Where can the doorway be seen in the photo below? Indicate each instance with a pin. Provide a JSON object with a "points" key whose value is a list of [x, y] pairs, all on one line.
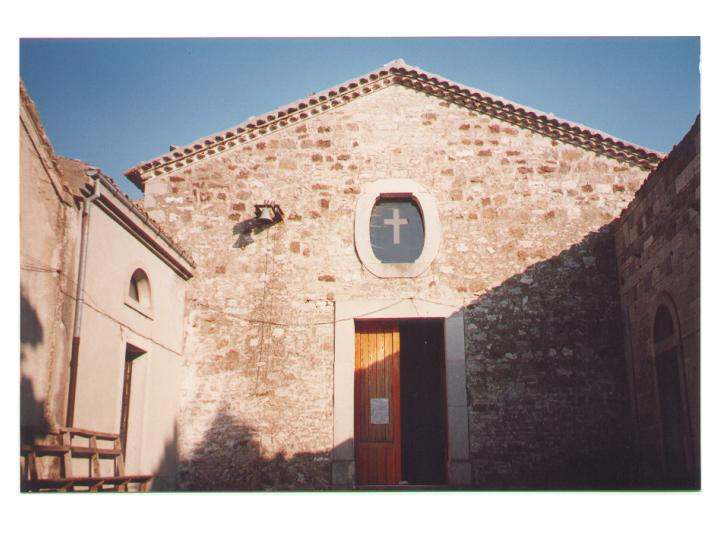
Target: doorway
{"points": [[423, 404], [672, 398], [131, 354], [400, 402]]}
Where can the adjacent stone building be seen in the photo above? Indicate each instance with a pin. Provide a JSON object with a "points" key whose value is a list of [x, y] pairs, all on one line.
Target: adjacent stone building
{"points": [[48, 245], [658, 249], [300, 334]]}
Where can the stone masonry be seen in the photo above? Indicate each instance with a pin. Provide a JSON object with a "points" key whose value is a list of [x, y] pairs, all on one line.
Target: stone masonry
{"points": [[658, 249], [526, 252], [48, 222]]}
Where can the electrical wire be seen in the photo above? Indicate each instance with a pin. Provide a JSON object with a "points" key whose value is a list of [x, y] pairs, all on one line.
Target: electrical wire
{"points": [[89, 303], [322, 323], [264, 321]]}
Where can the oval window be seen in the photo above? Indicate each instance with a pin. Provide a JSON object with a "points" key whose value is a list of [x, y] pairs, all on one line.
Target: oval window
{"points": [[397, 232]]}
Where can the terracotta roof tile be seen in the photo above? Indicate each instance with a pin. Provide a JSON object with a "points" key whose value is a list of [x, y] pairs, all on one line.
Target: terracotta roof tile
{"points": [[78, 174], [397, 72]]}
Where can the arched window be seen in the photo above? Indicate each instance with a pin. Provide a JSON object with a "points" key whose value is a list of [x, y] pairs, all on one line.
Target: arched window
{"points": [[664, 327], [139, 288], [668, 366]]}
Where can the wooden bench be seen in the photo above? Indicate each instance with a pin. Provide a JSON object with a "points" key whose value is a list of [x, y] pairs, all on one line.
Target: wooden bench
{"points": [[65, 449]]}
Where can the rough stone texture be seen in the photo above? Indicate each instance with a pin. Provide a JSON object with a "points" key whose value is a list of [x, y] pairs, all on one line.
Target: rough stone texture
{"points": [[48, 222], [548, 403], [524, 250], [658, 249]]}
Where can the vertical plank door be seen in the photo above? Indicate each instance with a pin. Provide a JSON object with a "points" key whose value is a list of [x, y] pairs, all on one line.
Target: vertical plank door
{"points": [[378, 456]]}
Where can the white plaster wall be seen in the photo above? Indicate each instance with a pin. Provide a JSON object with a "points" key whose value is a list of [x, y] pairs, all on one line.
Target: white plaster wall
{"points": [[108, 325]]}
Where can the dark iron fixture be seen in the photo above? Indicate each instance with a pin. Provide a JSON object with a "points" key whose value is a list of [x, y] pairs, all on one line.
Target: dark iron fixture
{"points": [[267, 213]]}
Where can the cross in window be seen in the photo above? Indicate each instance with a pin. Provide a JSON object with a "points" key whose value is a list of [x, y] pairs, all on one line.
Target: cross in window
{"points": [[395, 222]]}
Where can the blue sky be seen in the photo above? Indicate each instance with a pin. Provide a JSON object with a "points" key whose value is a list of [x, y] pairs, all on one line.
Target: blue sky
{"points": [[114, 103]]}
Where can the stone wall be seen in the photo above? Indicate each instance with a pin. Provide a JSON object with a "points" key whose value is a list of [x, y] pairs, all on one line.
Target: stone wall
{"points": [[525, 252], [48, 225], [658, 250]]}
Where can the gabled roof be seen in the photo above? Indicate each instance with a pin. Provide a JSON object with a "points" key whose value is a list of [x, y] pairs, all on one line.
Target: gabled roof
{"points": [[396, 72]]}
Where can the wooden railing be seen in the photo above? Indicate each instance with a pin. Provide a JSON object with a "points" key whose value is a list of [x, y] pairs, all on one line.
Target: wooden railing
{"points": [[65, 449]]}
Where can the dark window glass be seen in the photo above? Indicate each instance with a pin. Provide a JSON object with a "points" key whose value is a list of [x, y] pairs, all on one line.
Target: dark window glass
{"points": [[664, 327], [667, 365], [133, 292], [397, 233], [139, 289]]}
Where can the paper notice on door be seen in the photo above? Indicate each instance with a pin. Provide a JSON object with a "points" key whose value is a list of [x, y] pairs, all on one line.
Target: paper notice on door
{"points": [[379, 411]]}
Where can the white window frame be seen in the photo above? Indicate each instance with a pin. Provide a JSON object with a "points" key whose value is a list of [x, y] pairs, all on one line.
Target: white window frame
{"points": [[431, 222]]}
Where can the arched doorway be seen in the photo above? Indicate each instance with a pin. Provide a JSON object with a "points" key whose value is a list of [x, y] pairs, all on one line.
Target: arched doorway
{"points": [[671, 395]]}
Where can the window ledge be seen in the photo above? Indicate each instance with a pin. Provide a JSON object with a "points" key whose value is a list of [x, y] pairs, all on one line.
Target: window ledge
{"points": [[142, 310]]}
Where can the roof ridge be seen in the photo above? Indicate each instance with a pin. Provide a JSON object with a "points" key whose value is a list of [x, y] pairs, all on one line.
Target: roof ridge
{"points": [[398, 62], [396, 72]]}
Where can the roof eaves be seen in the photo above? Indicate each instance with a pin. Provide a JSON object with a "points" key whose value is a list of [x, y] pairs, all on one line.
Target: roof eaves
{"points": [[256, 126], [510, 106], [396, 72], [110, 184]]}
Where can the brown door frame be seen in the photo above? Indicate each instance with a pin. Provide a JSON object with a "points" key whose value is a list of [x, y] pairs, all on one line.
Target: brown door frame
{"points": [[396, 389], [347, 312], [132, 352]]}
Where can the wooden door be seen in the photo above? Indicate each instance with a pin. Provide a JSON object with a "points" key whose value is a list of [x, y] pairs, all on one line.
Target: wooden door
{"points": [[125, 407], [132, 353], [378, 455]]}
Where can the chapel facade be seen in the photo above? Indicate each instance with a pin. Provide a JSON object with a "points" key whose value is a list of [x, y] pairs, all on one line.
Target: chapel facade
{"points": [[404, 281]]}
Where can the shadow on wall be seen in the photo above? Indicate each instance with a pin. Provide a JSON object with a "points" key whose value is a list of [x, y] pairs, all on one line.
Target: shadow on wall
{"points": [[230, 458], [248, 228], [33, 424], [548, 401], [165, 474]]}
